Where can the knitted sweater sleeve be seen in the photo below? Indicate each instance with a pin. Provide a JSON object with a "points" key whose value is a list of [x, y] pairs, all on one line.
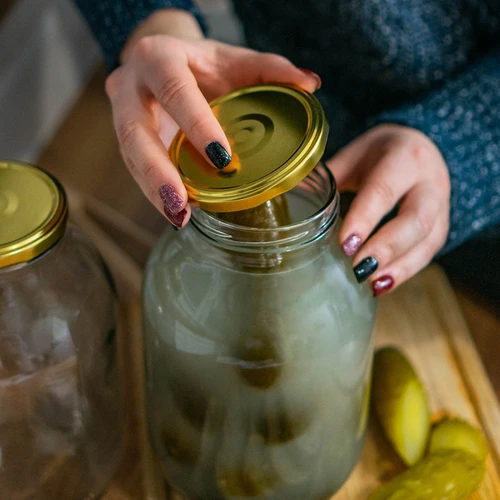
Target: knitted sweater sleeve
{"points": [[463, 119], [112, 21]]}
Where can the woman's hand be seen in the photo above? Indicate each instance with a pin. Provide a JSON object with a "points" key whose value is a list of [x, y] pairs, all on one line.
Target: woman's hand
{"points": [[164, 84], [389, 165]]}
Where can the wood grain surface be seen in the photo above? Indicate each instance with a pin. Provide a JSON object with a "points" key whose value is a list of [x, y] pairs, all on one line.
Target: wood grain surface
{"points": [[84, 155], [422, 316]]}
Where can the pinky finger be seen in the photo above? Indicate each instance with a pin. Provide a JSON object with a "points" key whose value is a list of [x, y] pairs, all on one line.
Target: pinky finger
{"points": [[402, 269]]}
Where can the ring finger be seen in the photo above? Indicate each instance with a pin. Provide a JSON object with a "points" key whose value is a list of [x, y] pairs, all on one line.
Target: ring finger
{"points": [[376, 197]]}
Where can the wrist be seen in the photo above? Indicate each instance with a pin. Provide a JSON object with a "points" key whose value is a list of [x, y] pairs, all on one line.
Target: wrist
{"points": [[174, 22]]}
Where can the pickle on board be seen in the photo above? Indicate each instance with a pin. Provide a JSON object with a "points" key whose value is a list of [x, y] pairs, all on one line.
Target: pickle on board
{"points": [[401, 404], [271, 214], [457, 434], [444, 475]]}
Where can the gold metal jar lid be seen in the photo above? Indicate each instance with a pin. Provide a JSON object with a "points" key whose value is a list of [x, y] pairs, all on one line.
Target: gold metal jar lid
{"points": [[33, 212], [277, 134]]}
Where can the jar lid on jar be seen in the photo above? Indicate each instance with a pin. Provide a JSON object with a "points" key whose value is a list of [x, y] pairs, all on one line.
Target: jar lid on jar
{"points": [[33, 212], [277, 135]]}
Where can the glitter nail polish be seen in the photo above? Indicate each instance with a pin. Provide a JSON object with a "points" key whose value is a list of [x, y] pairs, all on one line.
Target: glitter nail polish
{"points": [[218, 155], [351, 244], [172, 202]]}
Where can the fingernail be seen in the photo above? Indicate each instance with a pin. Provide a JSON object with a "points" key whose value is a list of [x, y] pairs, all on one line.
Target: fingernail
{"points": [[382, 284], [177, 219], [351, 244], [365, 269], [218, 155], [172, 202], [308, 72]]}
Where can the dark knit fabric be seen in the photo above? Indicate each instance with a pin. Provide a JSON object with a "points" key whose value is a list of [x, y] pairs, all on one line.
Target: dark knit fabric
{"points": [[113, 21], [430, 64]]}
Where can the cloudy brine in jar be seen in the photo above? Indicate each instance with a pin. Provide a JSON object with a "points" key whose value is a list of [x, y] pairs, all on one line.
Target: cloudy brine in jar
{"points": [[258, 350]]}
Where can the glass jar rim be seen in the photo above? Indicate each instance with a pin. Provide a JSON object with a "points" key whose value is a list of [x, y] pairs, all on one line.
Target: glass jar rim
{"points": [[302, 232]]}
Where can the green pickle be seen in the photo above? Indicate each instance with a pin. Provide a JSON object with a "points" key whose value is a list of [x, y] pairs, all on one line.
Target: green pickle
{"points": [[271, 214], [244, 483], [259, 346], [401, 404], [283, 421], [444, 475], [180, 445], [457, 434], [261, 353]]}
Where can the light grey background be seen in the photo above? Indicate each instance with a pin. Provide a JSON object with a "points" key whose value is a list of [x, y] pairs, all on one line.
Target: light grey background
{"points": [[47, 56]]}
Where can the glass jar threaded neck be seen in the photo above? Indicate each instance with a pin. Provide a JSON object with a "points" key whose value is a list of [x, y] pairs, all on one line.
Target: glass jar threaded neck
{"points": [[318, 198]]}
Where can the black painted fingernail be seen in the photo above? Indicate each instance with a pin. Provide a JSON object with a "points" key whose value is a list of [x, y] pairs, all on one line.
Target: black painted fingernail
{"points": [[365, 268], [218, 155]]}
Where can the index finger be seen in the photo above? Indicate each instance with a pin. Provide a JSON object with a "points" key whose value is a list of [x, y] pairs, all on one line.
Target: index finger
{"points": [[174, 86]]}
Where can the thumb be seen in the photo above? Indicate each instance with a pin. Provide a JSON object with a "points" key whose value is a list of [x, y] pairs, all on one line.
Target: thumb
{"points": [[349, 163], [249, 67]]}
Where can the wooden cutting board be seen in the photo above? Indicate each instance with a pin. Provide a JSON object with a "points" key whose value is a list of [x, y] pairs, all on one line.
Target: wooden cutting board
{"points": [[421, 317]]}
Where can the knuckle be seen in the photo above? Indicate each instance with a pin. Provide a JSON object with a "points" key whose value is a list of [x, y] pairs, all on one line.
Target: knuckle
{"points": [[173, 43], [386, 250], [148, 172], [391, 251], [384, 192], [431, 249], [144, 47], [151, 193], [428, 258], [418, 150], [276, 59], [424, 221], [113, 82], [358, 217], [126, 132], [443, 182], [406, 271], [199, 123], [130, 165], [439, 240], [148, 169], [171, 90]]}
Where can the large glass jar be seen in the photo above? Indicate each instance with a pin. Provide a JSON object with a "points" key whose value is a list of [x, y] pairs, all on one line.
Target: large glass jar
{"points": [[61, 412], [258, 346]]}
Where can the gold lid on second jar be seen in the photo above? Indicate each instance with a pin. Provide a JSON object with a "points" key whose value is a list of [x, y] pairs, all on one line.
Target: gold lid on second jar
{"points": [[277, 135], [33, 212]]}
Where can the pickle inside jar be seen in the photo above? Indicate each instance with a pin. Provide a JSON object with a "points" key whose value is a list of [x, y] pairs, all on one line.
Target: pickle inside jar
{"points": [[259, 344], [272, 214]]}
